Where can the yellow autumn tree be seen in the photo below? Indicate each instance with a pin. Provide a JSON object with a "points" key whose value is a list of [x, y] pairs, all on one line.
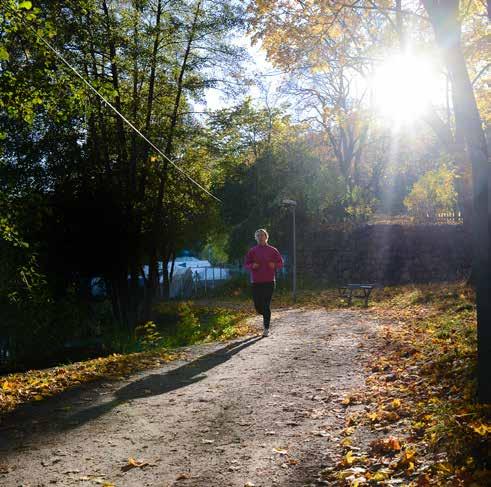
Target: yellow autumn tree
{"points": [[433, 193]]}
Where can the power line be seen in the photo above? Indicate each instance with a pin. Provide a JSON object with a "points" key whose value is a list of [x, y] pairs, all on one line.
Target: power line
{"points": [[110, 105]]}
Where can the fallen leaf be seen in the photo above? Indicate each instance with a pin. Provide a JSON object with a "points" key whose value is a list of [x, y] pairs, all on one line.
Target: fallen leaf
{"points": [[4, 469], [347, 442], [132, 463], [372, 416], [381, 475], [280, 451], [349, 431], [345, 474], [348, 458], [481, 428], [385, 445], [407, 457], [322, 433], [395, 404]]}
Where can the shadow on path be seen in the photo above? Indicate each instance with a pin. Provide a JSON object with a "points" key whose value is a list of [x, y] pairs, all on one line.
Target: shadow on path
{"points": [[157, 384], [19, 425]]}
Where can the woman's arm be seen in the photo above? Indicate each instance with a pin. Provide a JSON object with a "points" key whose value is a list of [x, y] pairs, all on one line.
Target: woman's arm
{"points": [[249, 260]]}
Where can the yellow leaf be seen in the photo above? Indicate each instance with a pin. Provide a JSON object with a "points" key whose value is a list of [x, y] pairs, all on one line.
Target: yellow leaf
{"points": [[481, 429], [445, 467], [347, 442], [406, 460], [348, 458], [132, 463], [38, 397], [372, 416], [380, 475]]}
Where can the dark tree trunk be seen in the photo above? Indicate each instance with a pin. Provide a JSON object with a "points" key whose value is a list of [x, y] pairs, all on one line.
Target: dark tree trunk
{"points": [[158, 217], [444, 16]]}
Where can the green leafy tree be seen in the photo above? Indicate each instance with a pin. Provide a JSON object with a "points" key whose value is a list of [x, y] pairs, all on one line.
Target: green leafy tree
{"points": [[106, 202]]}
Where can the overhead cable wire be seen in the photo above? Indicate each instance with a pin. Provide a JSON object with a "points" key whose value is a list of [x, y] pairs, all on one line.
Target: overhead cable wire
{"points": [[115, 110]]}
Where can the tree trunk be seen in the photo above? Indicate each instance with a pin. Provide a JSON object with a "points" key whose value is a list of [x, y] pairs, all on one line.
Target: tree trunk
{"points": [[158, 223], [122, 281], [165, 282], [173, 259], [122, 156], [137, 191], [444, 17]]}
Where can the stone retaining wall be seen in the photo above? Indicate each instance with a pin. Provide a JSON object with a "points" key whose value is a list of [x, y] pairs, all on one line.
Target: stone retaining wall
{"points": [[386, 254]]}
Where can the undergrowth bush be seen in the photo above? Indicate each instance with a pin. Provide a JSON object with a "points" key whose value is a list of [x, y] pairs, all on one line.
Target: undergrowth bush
{"points": [[185, 323]]}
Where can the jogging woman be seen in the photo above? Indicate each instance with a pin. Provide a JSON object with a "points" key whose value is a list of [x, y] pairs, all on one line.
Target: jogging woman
{"points": [[263, 260]]}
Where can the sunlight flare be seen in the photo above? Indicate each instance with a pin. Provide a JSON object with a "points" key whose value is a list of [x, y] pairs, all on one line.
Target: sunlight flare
{"points": [[404, 87]]}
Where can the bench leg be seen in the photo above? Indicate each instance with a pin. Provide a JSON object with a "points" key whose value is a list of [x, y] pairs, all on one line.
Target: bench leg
{"points": [[350, 297]]}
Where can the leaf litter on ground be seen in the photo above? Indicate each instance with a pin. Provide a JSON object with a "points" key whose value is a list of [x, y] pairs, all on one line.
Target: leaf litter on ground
{"points": [[422, 425]]}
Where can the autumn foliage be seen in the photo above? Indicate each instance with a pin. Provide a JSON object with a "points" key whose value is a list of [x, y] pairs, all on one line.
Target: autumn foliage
{"points": [[419, 423]]}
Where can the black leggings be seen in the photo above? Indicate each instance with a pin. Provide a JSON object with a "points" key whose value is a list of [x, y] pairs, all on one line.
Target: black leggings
{"points": [[262, 292]]}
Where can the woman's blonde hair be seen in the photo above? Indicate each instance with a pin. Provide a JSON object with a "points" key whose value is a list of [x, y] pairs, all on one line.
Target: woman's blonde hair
{"points": [[261, 230]]}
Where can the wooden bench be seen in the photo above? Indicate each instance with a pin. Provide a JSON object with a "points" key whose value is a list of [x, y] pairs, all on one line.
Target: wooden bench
{"points": [[350, 291]]}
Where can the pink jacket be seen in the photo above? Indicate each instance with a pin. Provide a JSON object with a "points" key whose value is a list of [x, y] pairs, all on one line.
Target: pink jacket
{"points": [[263, 255]]}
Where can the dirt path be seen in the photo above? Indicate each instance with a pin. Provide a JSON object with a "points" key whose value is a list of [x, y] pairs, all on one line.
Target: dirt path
{"points": [[263, 412]]}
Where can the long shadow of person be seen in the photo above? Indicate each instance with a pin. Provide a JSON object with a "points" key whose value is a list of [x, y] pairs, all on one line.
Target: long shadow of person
{"points": [[157, 384]]}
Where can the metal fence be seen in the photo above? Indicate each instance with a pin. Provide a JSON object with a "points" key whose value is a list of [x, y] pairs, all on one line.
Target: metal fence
{"points": [[426, 217], [202, 281], [447, 217]]}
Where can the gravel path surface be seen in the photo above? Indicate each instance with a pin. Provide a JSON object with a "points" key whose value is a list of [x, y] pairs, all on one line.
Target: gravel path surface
{"points": [[262, 412]]}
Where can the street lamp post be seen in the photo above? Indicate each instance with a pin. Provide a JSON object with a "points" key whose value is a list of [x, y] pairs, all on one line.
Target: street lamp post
{"points": [[292, 204]]}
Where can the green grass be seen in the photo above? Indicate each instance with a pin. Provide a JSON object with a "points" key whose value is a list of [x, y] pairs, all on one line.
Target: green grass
{"points": [[178, 324]]}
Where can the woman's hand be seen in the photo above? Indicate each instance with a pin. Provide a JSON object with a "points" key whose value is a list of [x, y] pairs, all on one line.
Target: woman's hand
{"points": [[272, 265], [255, 265]]}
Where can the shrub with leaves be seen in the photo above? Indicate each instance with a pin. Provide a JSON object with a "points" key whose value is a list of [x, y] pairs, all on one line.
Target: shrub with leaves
{"points": [[433, 193], [148, 335], [186, 323], [359, 205]]}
